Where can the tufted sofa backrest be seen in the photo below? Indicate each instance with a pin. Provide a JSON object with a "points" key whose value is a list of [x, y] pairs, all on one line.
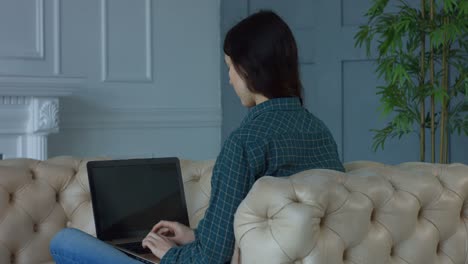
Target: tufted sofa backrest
{"points": [[38, 198], [410, 213], [375, 213], [197, 187]]}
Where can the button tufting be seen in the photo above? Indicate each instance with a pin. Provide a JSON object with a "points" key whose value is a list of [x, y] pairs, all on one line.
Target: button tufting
{"points": [[345, 255], [392, 251], [33, 176], [12, 258], [10, 199], [322, 222], [35, 228], [373, 215], [57, 196]]}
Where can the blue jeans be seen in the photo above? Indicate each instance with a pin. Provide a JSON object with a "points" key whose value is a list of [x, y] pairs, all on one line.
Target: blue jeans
{"points": [[72, 246]]}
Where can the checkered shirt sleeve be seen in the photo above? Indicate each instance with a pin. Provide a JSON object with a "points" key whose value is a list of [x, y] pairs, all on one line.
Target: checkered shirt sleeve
{"points": [[215, 239]]}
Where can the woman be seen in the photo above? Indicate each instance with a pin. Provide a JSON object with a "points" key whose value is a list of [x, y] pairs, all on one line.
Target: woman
{"points": [[278, 137]]}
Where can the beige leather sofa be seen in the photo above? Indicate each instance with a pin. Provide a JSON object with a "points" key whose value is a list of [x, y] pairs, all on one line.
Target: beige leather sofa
{"points": [[373, 213]]}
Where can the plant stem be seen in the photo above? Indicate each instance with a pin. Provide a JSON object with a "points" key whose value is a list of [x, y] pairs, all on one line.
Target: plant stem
{"points": [[443, 124], [432, 95], [446, 141], [422, 80]]}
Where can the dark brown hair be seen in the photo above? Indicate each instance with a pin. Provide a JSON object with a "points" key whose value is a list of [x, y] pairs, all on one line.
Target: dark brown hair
{"points": [[263, 51]]}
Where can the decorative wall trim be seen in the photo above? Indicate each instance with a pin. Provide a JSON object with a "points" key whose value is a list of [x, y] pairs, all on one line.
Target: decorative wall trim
{"points": [[26, 122], [32, 146], [14, 100], [342, 14], [39, 86], [104, 58], [124, 118], [148, 46], [38, 53], [44, 115], [40, 30], [48, 116], [57, 37], [149, 40]]}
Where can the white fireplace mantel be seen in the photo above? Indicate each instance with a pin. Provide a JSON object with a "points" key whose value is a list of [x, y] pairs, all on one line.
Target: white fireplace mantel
{"points": [[29, 112]]}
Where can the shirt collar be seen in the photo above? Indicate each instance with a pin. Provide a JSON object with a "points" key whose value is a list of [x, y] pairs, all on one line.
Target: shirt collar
{"points": [[275, 104]]}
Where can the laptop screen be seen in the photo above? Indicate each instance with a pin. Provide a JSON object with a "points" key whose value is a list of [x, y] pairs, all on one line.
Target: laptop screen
{"points": [[130, 196]]}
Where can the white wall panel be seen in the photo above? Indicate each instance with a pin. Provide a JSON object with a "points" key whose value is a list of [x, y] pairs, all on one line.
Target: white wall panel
{"points": [[27, 40], [30, 38], [126, 41], [147, 71]]}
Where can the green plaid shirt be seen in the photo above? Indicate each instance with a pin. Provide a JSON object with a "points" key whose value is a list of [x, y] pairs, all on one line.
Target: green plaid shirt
{"points": [[278, 138]]}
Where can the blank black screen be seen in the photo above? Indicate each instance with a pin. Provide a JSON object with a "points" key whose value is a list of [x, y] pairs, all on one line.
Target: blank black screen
{"points": [[130, 200]]}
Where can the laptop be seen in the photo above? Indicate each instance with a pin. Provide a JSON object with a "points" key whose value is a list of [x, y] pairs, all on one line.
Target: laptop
{"points": [[130, 196]]}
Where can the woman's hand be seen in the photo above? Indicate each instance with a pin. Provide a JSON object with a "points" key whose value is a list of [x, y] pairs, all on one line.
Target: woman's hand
{"points": [[175, 232], [159, 245]]}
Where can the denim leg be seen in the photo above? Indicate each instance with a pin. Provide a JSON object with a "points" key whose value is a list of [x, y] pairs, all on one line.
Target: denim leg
{"points": [[72, 246]]}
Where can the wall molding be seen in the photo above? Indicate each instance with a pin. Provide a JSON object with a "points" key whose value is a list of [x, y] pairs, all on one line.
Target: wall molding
{"points": [[26, 122], [16, 85], [15, 100], [44, 115], [57, 37], [139, 118], [148, 46], [32, 146], [38, 53]]}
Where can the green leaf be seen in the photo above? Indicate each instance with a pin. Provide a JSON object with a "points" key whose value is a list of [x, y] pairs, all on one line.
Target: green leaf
{"points": [[398, 39], [450, 5], [439, 95], [452, 31], [376, 9], [436, 37], [381, 136], [463, 8], [385, 109], [361, 35], [403, 123]]}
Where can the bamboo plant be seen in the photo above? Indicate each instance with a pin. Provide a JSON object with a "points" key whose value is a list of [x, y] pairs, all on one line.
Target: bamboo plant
{"points": [[422, 55]]}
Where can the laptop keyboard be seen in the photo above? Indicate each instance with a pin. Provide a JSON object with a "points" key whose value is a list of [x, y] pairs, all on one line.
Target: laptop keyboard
{"points": [[135, 247]]}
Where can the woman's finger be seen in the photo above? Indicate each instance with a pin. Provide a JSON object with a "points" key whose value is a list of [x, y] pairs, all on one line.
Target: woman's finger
{"points": [[161, 224], [152, 245], [153, 236], [163, 231]]}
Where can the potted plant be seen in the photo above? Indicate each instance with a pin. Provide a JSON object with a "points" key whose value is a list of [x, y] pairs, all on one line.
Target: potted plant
{"points": [[421, 53]]}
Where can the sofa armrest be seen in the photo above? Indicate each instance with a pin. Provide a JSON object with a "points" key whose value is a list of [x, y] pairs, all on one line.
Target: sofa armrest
{"points": [[372, 214], [280, 219]]}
